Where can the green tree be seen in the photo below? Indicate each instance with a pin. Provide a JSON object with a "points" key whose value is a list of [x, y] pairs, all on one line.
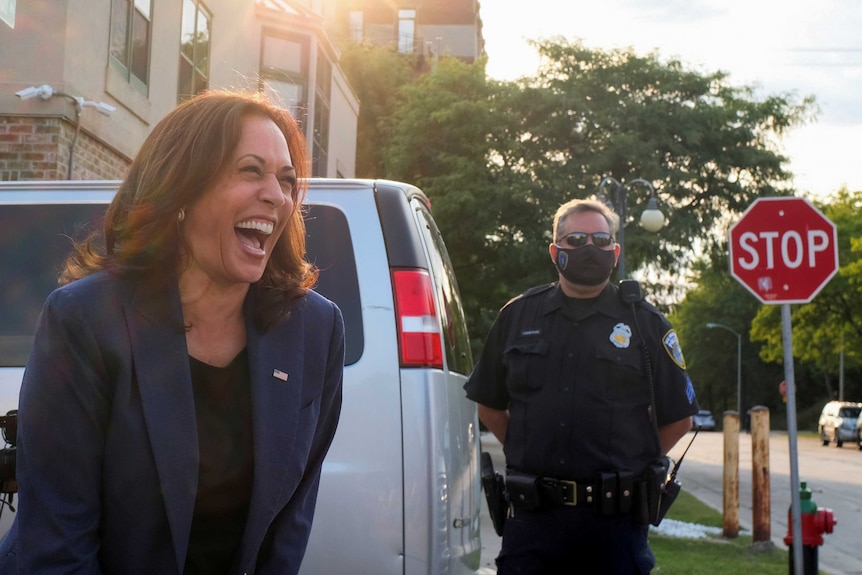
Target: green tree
{"points": [[376, 74], [708, 146], [441, 141], [497, 158], [711, 353]]}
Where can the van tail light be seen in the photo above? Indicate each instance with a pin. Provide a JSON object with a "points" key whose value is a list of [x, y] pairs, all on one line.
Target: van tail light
{"points": [[416, 317]]}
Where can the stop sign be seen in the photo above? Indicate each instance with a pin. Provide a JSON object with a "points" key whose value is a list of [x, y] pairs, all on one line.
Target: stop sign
{"points": [[783, 250]]}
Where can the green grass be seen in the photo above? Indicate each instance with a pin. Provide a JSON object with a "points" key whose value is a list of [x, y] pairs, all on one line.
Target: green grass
{"points": [[716, 555]]}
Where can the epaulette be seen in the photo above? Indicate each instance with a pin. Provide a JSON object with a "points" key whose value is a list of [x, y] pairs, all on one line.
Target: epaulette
{"points": [[646, 306], [530, 293], [650, 307]]}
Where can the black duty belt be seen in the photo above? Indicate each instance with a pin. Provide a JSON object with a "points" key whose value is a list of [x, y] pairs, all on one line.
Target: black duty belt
{"points": [[565, 492], [611, 493]]}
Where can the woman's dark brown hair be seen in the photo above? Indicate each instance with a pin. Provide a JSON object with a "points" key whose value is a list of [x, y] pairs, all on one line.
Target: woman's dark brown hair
{"points": [[186, 151]]}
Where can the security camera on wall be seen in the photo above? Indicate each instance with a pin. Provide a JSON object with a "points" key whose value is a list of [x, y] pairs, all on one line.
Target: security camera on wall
{"points": [[104, 108], [44, 91]]}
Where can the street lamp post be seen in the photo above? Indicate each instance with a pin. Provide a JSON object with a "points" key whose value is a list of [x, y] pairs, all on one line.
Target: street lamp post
{"points": [[652, 219], [738, 365]]}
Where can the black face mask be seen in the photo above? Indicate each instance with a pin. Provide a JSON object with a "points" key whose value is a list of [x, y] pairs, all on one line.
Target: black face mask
{"points": [[586, 266]]}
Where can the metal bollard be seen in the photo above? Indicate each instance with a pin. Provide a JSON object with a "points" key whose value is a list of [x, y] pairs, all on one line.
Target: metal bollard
{"points": [[815, 522]]}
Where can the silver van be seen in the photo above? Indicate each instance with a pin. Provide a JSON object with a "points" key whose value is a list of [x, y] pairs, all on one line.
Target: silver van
{"points": [[400, 491]]}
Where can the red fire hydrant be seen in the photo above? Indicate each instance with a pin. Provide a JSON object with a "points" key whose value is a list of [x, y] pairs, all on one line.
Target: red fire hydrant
{"points": [[815, 522]]}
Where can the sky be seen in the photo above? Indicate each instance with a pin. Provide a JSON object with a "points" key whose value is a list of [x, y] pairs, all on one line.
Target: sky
{"points": [[804, 47]]}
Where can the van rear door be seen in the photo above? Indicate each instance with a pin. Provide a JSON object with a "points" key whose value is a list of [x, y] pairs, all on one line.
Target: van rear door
{"points": [[359, 520]]}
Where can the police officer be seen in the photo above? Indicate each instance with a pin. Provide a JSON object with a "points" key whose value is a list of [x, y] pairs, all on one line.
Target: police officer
{"points": [[585, 387]]}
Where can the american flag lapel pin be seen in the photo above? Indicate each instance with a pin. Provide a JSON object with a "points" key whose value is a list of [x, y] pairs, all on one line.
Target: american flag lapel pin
{"points": [[278, 374]]}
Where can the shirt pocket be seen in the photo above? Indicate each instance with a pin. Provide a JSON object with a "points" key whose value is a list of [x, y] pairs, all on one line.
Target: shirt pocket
{"points": [[526, 365], [623, 374]]}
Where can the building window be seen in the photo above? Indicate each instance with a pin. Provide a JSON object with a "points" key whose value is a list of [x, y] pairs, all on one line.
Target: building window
{"points": [[130, 40], [194, 50], [320, 130], [406, 31], [284, 71], [355, 22], [7, 12]]}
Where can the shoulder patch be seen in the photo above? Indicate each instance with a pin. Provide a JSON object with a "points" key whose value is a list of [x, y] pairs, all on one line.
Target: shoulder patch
{"points": [[673, 349]]}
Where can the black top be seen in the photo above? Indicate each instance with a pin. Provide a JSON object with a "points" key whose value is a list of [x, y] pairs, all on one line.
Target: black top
{"points": [[223, 410], [573, 376]]}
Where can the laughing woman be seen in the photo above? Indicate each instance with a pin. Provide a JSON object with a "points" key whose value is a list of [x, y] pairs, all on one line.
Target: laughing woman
{"points": [[185, 382]]}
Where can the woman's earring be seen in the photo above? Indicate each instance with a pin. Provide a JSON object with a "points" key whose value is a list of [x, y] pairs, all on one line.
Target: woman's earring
{"points": [[181, 215]]}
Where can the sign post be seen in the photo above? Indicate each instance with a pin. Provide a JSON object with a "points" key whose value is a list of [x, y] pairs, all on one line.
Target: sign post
{"points": [[784, 250]]}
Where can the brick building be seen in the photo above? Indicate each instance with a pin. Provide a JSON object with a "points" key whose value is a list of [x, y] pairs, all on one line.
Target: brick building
{"points": [[94, 76]]}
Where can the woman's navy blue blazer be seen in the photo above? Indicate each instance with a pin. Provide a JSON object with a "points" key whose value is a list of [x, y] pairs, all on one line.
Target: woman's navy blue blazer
{"points": [[108, 442]]}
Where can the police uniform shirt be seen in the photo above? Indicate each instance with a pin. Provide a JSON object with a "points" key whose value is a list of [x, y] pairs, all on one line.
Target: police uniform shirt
{"points": [[573, 377]]}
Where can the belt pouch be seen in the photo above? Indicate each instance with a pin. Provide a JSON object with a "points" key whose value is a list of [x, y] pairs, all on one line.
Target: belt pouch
{"points": [[641, 504], [656, 474], [607, 485], [626, 491], [523, 489]]}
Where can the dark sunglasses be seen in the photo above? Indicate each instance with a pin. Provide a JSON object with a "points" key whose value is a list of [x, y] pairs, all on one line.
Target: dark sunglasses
{"points": [[579, 239]]}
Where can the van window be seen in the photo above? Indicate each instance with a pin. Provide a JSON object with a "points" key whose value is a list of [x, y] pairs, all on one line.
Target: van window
{"points": [[31, 259], [849, 412], [456, 341], [330, 248]]}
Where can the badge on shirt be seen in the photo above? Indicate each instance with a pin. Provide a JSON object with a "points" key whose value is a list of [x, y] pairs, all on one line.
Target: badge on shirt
{"points": [[621, 336], [671, 346]]}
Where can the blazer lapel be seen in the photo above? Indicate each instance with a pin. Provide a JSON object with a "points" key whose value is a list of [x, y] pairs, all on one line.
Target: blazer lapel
{"points": [[276, 366], [162, 368]]}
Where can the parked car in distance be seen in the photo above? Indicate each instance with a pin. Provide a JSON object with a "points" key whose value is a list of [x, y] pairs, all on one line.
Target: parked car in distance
{"points": [[838, 421], [400, 490], [704, 420]]}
